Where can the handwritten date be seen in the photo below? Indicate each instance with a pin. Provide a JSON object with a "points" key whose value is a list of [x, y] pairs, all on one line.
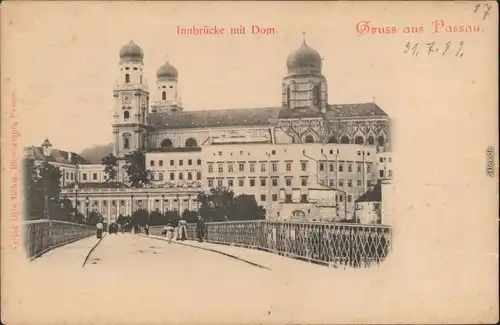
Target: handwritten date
{"points": [[431, 47]]}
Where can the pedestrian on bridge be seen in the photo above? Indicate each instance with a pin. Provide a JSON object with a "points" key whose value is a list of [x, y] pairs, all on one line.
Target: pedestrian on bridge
{"points": [[170, 232], [99, 226], [182, 235], [146, 229], [200, 229]]}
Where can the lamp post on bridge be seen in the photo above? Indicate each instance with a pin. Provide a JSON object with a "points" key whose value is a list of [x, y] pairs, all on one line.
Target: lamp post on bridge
{"points": [[179, 206], [76, 198], [47, 152], [87, 202]]}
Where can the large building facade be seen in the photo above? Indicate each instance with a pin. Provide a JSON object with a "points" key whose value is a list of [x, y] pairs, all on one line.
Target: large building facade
{"points": [[305, 159]]}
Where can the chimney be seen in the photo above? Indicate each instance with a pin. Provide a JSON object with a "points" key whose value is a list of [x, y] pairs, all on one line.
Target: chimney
{"points": [[69, 157]]}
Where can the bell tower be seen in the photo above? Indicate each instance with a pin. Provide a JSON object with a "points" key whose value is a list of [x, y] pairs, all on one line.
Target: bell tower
{"points": [[167, 98], [131, 97], [304, 85]]}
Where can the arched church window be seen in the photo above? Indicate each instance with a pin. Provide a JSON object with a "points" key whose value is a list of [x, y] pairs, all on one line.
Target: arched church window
{"points": [[127, 78], [166, 143], [164, 95], [288, 96], [126, 115], [309, 139], [381, 141], [126, 141], [317, 95], [344, 139], [359, 140], [191, 142], [332, 139], [371, 140]]}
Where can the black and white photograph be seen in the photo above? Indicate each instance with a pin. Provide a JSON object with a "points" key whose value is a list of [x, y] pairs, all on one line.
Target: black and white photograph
{"points": [[257, 163]]}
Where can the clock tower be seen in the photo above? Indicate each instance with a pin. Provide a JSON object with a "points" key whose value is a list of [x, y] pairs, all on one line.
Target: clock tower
{"points": [[131, 97]]}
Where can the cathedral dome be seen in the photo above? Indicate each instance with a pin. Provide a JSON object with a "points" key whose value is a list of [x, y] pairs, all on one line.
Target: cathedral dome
{"points": [[305, 60], [167, 72], [131, 53]]}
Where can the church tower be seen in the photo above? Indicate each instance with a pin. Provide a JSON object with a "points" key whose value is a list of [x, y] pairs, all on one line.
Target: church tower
{"points": [[304, 85], [167, 97], [131, 98]]}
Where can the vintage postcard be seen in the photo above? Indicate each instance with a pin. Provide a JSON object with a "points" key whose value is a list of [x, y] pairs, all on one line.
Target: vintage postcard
{"points": [[249, 162]]}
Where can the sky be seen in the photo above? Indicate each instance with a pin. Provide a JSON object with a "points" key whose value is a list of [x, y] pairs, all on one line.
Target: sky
{"points": [[66, 60]]}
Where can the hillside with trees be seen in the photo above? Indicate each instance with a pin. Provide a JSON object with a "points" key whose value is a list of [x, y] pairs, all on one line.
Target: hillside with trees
{"points": [[96, 153]]}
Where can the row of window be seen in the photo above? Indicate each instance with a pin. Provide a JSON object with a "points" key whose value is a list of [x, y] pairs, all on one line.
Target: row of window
{"points": [[123, 202], [241, 167], [382, 174], [159, 177], [263, 182], [127, 68], [303, 198], [288, 167], [376, 206], [72, 176], [288, 182], [172, 162], [167, 143], [273, 152]]}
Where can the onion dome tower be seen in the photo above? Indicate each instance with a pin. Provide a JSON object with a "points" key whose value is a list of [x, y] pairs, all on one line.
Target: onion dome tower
{"points": [[304, 84], [167, 97]]}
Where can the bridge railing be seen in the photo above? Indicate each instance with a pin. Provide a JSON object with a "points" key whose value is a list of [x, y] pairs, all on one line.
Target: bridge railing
{"points": [[40, 236], [334, 244]]}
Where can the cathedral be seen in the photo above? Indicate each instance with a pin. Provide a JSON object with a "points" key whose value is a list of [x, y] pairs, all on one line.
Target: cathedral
{"points": [[306, 159], [145, 121]]}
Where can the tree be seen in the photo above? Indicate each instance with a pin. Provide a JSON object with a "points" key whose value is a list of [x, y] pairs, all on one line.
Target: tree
{"points": [[190, 216], [220, 204], [37, 178], [135, 166], [95, 153], [245, 207], [79, 218], [110, 163], [216, 203], [157, 218], [32, 194], [93, 218], [50, 176], [67, 204], [173, 217], [121, 220], [140, 217]]}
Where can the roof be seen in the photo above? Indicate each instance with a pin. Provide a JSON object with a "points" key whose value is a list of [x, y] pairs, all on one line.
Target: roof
{"points": [[353, 111], [239, 142], [98, 185], [214, 118], [57, 156], [372, 195], [306, 112], [175, 149], [259, 116]]}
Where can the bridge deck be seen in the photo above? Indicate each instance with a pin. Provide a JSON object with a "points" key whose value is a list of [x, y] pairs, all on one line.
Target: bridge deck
{"points": [[147, 280]]}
